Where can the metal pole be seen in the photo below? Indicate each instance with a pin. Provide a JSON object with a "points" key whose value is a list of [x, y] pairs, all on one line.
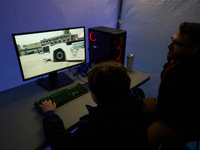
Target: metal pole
{"points": [[119, 13]]}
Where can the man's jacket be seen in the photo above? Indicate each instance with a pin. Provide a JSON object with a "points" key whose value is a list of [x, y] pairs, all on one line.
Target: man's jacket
{"points": [[178, 99]]}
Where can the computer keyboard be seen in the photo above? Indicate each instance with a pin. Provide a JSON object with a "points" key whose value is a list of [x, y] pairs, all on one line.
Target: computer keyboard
{"points": [[63, 96]]}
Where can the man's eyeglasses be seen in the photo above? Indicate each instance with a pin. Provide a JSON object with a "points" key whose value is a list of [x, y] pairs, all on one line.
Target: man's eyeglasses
{"points": [[174, 42]]}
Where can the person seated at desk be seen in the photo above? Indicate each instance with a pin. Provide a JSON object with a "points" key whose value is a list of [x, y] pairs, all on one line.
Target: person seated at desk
{"points": [[177, 105], [118, 120]]}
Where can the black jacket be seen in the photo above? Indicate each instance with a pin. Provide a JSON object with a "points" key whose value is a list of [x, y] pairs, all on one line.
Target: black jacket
{"points": [[121, 124], [178, 99]]}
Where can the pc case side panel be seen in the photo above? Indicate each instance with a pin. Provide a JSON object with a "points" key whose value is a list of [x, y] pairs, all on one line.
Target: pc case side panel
{"points": [[106, 45], [119, 47], [99, 46]]}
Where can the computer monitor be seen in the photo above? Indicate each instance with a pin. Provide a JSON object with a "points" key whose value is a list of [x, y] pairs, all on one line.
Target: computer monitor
{"points": [[47, 52]]}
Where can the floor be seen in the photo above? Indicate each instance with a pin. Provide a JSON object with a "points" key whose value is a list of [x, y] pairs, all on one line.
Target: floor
{"points": [[150, 89]]}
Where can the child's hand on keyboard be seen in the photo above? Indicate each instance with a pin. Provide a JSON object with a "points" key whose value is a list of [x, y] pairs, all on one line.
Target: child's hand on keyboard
{"points": [[48, 105]]}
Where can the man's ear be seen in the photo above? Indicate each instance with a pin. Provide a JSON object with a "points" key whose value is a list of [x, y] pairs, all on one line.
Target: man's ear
{"points": [[194, 50]]}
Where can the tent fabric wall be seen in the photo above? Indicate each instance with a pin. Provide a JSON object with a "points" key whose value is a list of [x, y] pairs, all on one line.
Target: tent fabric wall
{"points": [[150, 24], [18, 16]]}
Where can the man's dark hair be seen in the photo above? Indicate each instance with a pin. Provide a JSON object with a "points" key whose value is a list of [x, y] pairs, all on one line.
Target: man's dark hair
{"points": [[109, 81], [193, 30]]}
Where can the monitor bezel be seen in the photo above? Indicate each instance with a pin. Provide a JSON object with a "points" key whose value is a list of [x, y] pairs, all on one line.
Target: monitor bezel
{"points": [[41, 31]]}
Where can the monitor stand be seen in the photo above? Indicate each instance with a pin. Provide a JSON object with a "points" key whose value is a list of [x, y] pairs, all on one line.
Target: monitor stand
{"points": [[54, 81]]}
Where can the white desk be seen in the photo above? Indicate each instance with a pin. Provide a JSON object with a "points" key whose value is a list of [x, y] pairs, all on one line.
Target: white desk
{"points": [[20, 122]]}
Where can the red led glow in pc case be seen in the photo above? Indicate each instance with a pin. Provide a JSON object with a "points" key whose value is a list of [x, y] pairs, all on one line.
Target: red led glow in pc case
{"points": [[106, 44]]}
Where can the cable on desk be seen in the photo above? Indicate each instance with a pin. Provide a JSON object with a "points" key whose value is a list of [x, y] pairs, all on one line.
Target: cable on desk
{"points": [[81, 79], [82, 70]]}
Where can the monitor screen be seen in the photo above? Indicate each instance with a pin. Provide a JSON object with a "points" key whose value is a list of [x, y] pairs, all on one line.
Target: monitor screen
{"points": [[43, 52]]}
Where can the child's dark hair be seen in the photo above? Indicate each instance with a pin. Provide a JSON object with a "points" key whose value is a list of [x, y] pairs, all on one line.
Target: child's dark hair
{"points": [[109, 81]]}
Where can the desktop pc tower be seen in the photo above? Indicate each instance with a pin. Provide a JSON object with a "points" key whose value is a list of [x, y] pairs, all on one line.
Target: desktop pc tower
{"points": [[106, 44]]}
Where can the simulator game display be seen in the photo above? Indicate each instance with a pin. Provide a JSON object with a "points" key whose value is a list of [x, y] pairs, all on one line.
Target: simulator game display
{"points": [[46, 52]]}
